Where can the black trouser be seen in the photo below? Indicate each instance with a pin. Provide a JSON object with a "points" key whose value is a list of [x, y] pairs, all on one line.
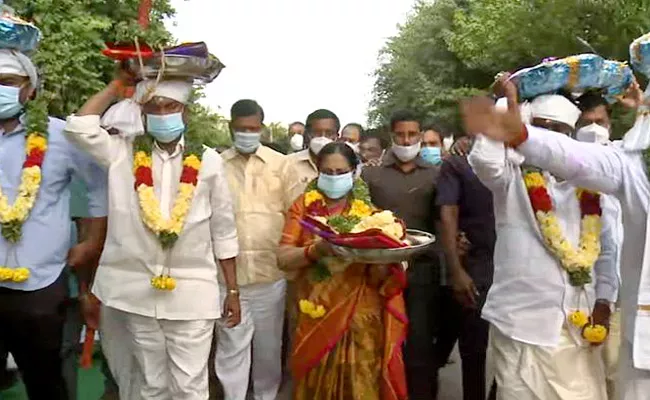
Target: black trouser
{"points": [[421, 299], [31, 329], [471, 331]]}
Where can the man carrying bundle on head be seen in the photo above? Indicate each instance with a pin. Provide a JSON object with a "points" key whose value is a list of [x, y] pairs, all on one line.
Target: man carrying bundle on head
{"points": [[37, 164], [171, 224], [554, 276]]}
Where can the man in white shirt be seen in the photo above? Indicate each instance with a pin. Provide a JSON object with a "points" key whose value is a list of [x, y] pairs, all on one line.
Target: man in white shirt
{"points": [[157, 279], [536, 353], [263, 186], [620, 171]]}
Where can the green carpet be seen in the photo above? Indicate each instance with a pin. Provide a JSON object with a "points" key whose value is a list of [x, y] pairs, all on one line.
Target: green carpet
{"points": [[90, 385]]}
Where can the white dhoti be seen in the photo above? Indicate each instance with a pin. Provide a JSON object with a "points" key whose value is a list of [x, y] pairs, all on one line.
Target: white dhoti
{"points": [[171, 357], [116, 346], [529, 372], [611, 350], [258, 338], [633, 383]]}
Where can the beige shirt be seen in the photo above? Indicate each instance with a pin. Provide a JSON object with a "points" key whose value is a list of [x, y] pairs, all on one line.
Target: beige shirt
{"points": [[132, 254], [263, 187], [305, 168]]}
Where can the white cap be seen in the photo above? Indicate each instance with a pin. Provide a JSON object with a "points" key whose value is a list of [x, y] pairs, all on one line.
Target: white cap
{"points": [[555, 108], [178, 90], [16, 63]]}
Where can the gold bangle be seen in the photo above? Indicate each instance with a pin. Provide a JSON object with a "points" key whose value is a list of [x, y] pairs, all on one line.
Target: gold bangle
{"points": [[234, 292]]}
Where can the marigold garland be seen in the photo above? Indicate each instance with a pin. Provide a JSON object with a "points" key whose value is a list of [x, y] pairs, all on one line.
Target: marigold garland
{"points": [[166, 230], [578, 263], [12, 217]]}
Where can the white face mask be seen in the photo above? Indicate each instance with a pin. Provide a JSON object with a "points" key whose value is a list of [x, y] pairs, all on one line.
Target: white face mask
{"points": [[296, 142], [593, 133], [317, 144], [406, 153]]}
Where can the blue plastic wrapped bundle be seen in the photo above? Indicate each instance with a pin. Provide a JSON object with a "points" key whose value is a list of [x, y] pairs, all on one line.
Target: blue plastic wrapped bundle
{"points": [[640, 54], [575, 72], [18, 34], [615, 77]]}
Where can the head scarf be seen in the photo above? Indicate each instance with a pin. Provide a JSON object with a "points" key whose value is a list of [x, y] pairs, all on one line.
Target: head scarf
{"points": [[555, 108], [126, 115], [16, 63]]}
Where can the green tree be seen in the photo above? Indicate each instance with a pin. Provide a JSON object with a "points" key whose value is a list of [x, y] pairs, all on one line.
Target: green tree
{"points": [[448, 49], [418, 71]]}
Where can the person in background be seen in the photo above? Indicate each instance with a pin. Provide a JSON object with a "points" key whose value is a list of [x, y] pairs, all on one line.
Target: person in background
{"points": [[594, 127], [371, 148], [353, 349], [465, 206], [85, 231], [406, 185], [351, 134], [32, 306], [432, 150], [158, 274], [322, 127], [296, 136], [263, 186]]}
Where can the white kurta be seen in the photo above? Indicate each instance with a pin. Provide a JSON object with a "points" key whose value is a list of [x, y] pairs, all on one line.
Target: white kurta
{"points": [[611, 170], [533, 351]]}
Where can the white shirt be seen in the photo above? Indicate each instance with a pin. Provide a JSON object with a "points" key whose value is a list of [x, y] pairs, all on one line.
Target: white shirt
{"points": [[609, 169], [531, 297], [132, 254]]}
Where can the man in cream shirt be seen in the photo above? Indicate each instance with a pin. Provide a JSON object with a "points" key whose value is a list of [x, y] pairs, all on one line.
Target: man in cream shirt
{"points": [[535, 353], [263, 185], [168, 332]]}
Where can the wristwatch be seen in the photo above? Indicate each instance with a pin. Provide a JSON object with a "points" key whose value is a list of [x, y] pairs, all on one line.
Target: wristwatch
{"points": [[233, 292]]}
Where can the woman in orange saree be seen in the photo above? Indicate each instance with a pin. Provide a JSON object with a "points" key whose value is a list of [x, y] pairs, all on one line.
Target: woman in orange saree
{"points": [[352, 322]]}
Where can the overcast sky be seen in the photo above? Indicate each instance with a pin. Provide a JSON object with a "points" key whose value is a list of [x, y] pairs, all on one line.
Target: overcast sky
{"points": [[292, 56]]}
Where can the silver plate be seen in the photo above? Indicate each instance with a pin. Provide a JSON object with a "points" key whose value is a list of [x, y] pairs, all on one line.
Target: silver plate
{"points": [[201, 70], [420, 242]]}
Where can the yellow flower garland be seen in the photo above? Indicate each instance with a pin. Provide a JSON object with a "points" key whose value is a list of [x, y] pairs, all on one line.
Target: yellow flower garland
{"points": [[572, 259]]}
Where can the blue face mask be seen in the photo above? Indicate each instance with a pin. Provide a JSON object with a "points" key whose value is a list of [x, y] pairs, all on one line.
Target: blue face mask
{"points": [[335, 186], [165, 128], [9, 102], [247, 142], [432, 155]]}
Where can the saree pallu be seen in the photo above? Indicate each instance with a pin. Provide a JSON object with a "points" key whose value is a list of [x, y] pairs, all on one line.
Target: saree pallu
{"points": [[354, 351]]}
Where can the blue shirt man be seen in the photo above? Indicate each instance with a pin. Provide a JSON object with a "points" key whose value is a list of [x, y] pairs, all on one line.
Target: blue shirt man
{"points": [[46, 233]]}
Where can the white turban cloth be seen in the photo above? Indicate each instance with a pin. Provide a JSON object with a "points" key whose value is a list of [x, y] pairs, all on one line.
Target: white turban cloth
{"points": [[126, 115], [555, 108], [16, 63]]}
